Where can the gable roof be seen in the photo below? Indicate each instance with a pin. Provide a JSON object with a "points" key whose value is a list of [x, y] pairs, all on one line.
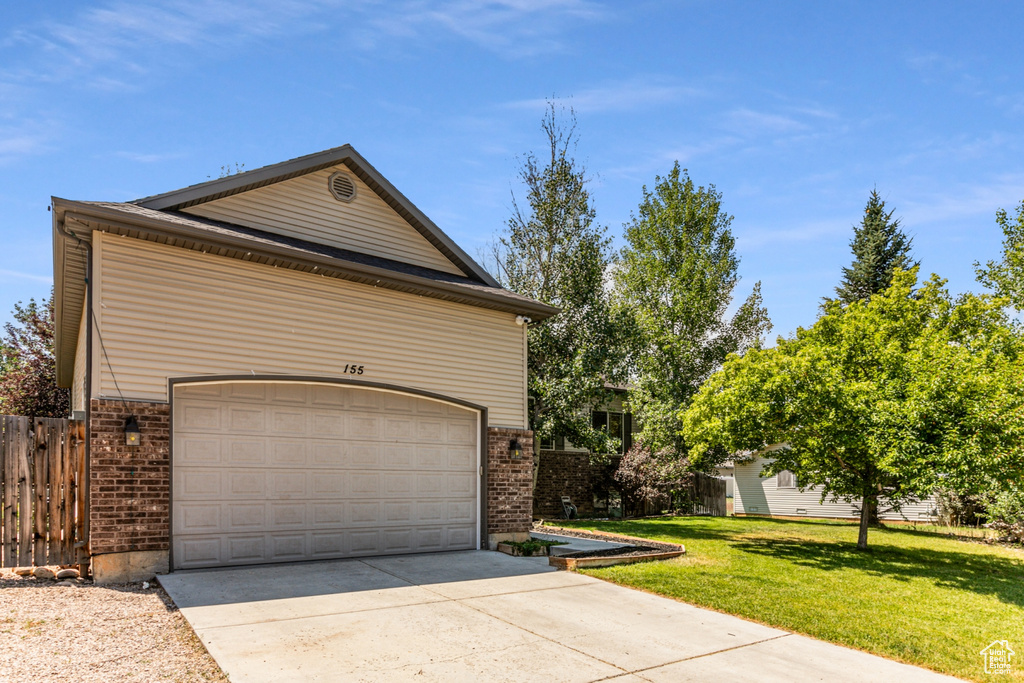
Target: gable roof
{"points": [[275, 173], [159, 219]]}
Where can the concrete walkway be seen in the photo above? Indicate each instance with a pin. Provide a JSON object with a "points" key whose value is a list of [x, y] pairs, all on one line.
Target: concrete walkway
{"points": [[484, 616], [573, 544]]}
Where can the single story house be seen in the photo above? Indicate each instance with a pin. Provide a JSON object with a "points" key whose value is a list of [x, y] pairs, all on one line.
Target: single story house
{"points": [[781, 495], [291, 363]]}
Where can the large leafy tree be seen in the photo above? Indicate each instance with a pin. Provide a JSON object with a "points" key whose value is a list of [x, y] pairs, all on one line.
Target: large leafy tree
{"points": [[879, 247], [28, 371], [676, 280], [1006, 277], [884, 399], [553, 251]]}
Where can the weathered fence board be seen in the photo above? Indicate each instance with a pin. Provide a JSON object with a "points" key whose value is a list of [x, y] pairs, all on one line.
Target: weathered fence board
{"points": [[42, 464], [698, 494]]}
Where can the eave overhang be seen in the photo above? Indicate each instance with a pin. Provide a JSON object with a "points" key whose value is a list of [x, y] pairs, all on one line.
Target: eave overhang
{"points": [[81, 219]]}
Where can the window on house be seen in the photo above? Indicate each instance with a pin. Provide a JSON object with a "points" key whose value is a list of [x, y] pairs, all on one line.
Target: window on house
{"points": [[547, 444], [618, 425], [786, 480]]}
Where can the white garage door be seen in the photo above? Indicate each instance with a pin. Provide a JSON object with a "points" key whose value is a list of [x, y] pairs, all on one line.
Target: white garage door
{"points": [[282, 472]]}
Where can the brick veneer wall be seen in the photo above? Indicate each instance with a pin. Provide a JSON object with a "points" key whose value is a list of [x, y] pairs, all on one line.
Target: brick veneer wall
{"points": [[509, 500], [562, 473], [129, 497]]}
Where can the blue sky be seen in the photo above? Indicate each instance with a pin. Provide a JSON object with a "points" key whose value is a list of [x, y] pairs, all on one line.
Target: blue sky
{"points": [[793, 110]]}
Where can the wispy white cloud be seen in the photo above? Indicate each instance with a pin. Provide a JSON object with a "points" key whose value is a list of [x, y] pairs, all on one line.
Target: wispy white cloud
{"points": [[511, 28], [752, 237], [965, 201], [17, 275], [150, 157], [748, 122], [638, 93]]}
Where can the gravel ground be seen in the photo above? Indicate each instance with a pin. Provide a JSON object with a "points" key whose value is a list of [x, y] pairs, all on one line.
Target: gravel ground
{"points": [[82, 632]]}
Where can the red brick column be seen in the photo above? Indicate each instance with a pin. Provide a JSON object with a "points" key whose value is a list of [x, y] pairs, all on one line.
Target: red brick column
{"points": [[129, 497], [509, 484]]}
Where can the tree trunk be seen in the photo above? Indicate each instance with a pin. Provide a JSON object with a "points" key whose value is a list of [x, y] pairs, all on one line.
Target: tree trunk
{"points": [[870, 501], [865, 517]]}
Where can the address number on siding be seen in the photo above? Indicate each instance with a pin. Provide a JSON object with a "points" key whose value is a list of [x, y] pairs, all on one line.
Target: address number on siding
{"points": [[353, 369]]}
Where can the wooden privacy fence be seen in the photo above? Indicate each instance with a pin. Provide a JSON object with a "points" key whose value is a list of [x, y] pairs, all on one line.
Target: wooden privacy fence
{"points": [[699, 494], [42, 466]]}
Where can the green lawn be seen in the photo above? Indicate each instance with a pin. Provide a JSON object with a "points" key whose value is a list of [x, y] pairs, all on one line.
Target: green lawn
{"points": [[914, 596]]}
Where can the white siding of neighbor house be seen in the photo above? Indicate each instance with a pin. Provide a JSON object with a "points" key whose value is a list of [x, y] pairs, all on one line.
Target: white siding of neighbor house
{"points": [[78, 378], [304, 207], [170, 312], [757, 495]]}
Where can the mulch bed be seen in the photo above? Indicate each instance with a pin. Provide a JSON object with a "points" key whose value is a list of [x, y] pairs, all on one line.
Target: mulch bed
{"points": [[634, 546]]}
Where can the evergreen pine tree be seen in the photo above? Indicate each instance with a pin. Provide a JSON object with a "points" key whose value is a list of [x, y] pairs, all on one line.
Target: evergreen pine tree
{"points": [[879, 247]]}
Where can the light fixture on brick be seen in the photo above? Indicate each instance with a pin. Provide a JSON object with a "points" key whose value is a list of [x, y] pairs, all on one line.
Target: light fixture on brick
{"points": [[132, 433], [515, 449]]}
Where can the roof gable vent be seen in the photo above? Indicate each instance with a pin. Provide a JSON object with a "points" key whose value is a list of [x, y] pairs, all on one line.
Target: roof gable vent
{"points": [[342, 186]]}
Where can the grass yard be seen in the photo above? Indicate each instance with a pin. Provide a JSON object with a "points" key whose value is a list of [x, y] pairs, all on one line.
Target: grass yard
{"points": [[913, 596]]}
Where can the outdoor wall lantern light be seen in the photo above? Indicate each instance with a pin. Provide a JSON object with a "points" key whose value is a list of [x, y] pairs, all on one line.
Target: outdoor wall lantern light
{"points": [[515, 450], [132, 433]]}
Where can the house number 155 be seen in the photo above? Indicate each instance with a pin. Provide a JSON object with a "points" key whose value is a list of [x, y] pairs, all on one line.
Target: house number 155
{"points": [[353, 369]]}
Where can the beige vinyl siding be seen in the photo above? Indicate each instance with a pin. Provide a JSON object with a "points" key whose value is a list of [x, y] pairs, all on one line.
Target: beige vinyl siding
{"points": [[78, 382], [757, 495], [170, 312], [303, 207]]}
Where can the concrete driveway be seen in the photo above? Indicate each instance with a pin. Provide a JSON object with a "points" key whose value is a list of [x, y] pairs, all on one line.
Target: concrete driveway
{"points": [[485, 616]]}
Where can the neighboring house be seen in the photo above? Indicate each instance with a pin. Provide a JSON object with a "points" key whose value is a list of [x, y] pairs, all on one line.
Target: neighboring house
{"points": [[316, 369], [566, 470], [781, 496]]}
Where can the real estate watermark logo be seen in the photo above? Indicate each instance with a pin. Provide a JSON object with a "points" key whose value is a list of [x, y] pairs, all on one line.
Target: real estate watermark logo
{"points": [[998, 657]]}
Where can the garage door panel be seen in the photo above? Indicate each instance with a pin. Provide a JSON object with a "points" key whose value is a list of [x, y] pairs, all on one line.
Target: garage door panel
{"points": [[199, 451], [289, 393], [286, 547], [202, 518], [198, 551], [246, 484], [199, 416], [364, 454], [459, 537], [254, 391], [399, 456], [288, 453], [245, 517], [197, 484], [247, 419], [364, 513], [275, 472], [328, 425], [245, 549], [247, 451], [398, 484], [289, 422], [460, 511], [328, 395], [284, 515], [329, 485], [289, 485], [461, 432], [365, 542]]}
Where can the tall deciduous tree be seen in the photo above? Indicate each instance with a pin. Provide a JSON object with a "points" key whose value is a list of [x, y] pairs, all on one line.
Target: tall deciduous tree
{"points": [[28, 371], [553, 251], [676, 280], [1006, 277], [879, 247], [883, 399]]}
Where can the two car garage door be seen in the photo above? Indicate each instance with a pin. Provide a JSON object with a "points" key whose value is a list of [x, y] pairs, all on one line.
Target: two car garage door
{"points": [[279, 472]]}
